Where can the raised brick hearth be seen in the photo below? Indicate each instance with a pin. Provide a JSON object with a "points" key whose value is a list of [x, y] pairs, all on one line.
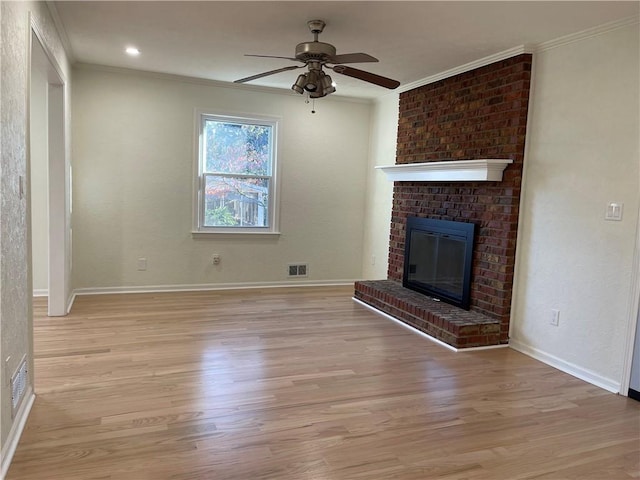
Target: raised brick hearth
{"points": [[459, 328], [478, 114]]}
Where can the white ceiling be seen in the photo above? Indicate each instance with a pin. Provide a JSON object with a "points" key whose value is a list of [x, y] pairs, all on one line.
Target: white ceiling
{"points": [[413, 40]]}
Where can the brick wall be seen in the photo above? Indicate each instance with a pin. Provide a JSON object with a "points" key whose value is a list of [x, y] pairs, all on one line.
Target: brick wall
{"points": [[475, 115]]}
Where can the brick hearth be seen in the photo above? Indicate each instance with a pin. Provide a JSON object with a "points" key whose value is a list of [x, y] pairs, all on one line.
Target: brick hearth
{"points": [[474, 115], [459, 328]]}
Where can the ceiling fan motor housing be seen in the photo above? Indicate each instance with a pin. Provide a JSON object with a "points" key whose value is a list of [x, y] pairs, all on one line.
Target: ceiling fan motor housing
{"points": [[315, 55], [315, 51]]}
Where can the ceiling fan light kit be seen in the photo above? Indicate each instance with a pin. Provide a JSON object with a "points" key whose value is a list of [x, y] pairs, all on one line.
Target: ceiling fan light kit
{"points": [[300, 83], [315, 55]]}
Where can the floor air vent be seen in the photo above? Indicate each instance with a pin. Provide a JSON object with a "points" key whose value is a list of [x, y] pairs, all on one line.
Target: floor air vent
{"points": [[299, 270], [18, 385]]}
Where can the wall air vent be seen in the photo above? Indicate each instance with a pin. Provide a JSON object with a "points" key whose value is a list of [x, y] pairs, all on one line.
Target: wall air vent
{"points": [[19, 381], [298, 270]]}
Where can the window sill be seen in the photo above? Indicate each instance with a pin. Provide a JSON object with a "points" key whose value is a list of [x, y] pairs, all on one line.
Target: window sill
{"points": [[241, 232]]}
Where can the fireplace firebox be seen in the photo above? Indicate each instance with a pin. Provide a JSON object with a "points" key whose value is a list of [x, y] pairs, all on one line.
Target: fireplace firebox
{"points": [[437, 259]]}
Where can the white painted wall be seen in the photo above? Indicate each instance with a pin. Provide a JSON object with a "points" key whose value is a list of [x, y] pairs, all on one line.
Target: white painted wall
{"points": [[133, 155], [384, 133], [39, 179], [582, 154]]}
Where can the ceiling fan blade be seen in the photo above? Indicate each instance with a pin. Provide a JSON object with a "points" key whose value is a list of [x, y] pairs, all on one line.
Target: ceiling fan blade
{"points": [[352, 58], [272, 56], [260, 75], [366, 76]]}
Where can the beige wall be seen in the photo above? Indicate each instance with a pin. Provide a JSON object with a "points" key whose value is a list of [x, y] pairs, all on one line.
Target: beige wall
{"points": [[582, 154], [15, 270], [384, 130], [133, 165]]}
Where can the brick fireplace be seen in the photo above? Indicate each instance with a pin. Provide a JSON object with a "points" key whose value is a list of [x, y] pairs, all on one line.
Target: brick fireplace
{"points": [[480, 114]]}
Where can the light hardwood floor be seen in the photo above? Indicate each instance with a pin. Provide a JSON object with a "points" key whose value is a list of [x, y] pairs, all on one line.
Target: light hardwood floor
{"points": [[300, 384]]}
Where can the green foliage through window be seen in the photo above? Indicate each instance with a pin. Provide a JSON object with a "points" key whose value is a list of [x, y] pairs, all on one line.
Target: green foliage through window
{"points": [[236, 165]]}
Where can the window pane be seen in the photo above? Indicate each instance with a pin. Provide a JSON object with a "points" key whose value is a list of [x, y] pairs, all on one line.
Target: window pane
{"points": [[237, 148], [236, 202]]}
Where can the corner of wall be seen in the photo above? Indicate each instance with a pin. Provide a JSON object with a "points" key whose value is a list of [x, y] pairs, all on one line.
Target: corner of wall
{"points": [[379, 191], [19, 422]]}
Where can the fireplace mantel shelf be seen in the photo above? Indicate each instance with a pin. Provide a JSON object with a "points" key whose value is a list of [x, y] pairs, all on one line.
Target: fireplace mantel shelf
{"points": [[487, 170]]}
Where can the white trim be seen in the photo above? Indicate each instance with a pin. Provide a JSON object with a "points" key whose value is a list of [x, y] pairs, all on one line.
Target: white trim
{"points": [[62, 31], [523, 198], [70, 301], [426, 335], [487, 170], [58, 193], [45, 48], [273, 198], [233, 232], [210, 286], [567, 367], [588, 33], [496, 57], [633, 315], [40, 292], [519, 50], [19, 422]]}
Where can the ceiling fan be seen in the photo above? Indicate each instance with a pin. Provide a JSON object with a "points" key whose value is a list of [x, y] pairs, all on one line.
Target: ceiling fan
{"points": [[316, 55]]}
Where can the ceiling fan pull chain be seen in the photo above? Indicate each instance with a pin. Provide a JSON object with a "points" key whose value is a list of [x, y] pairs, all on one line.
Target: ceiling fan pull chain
{"points": [[312, 102]]}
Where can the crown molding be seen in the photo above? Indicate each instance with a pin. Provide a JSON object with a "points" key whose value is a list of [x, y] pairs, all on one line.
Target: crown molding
{"points": [[496, 57], [62, 31], [588, 33], [512, 52]]}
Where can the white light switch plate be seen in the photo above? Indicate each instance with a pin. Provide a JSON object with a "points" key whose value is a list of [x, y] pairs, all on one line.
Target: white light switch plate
{"points": [[614, 211]]}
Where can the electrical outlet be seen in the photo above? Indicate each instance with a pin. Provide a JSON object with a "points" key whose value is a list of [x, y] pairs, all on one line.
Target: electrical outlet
{"points": [[215, 259], [142, 264], [554, 318], [373, 259]]}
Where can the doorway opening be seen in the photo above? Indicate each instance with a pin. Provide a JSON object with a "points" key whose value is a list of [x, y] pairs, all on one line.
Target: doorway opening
{"points": [[49, 180]]}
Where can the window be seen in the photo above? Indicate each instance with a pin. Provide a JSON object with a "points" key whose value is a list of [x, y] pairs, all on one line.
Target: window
{"points": [[236, 184]]}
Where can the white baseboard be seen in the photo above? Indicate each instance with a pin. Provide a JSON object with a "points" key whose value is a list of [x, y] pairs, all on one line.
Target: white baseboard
{"points": [[567, 367], [45, 293], [70, 301], [426, 335], [19, 422], [210, 286], [40, 292]]}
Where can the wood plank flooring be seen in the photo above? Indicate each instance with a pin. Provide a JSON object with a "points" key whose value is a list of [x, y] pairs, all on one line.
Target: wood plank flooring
{"points": [[300, 384]]}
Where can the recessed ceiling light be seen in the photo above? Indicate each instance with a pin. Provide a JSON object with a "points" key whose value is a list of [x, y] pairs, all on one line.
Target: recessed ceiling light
{"points": [[133, 51]]}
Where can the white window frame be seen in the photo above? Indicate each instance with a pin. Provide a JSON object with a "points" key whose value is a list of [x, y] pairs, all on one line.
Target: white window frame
{"points": [[199, 175]]}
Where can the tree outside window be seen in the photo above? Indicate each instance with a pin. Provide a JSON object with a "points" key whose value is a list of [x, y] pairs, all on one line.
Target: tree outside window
{"points": [[236, 165]]}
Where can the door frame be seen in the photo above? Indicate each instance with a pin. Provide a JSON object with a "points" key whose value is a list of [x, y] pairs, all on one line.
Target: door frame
{"points": [[58, 182], [633, 314]]}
